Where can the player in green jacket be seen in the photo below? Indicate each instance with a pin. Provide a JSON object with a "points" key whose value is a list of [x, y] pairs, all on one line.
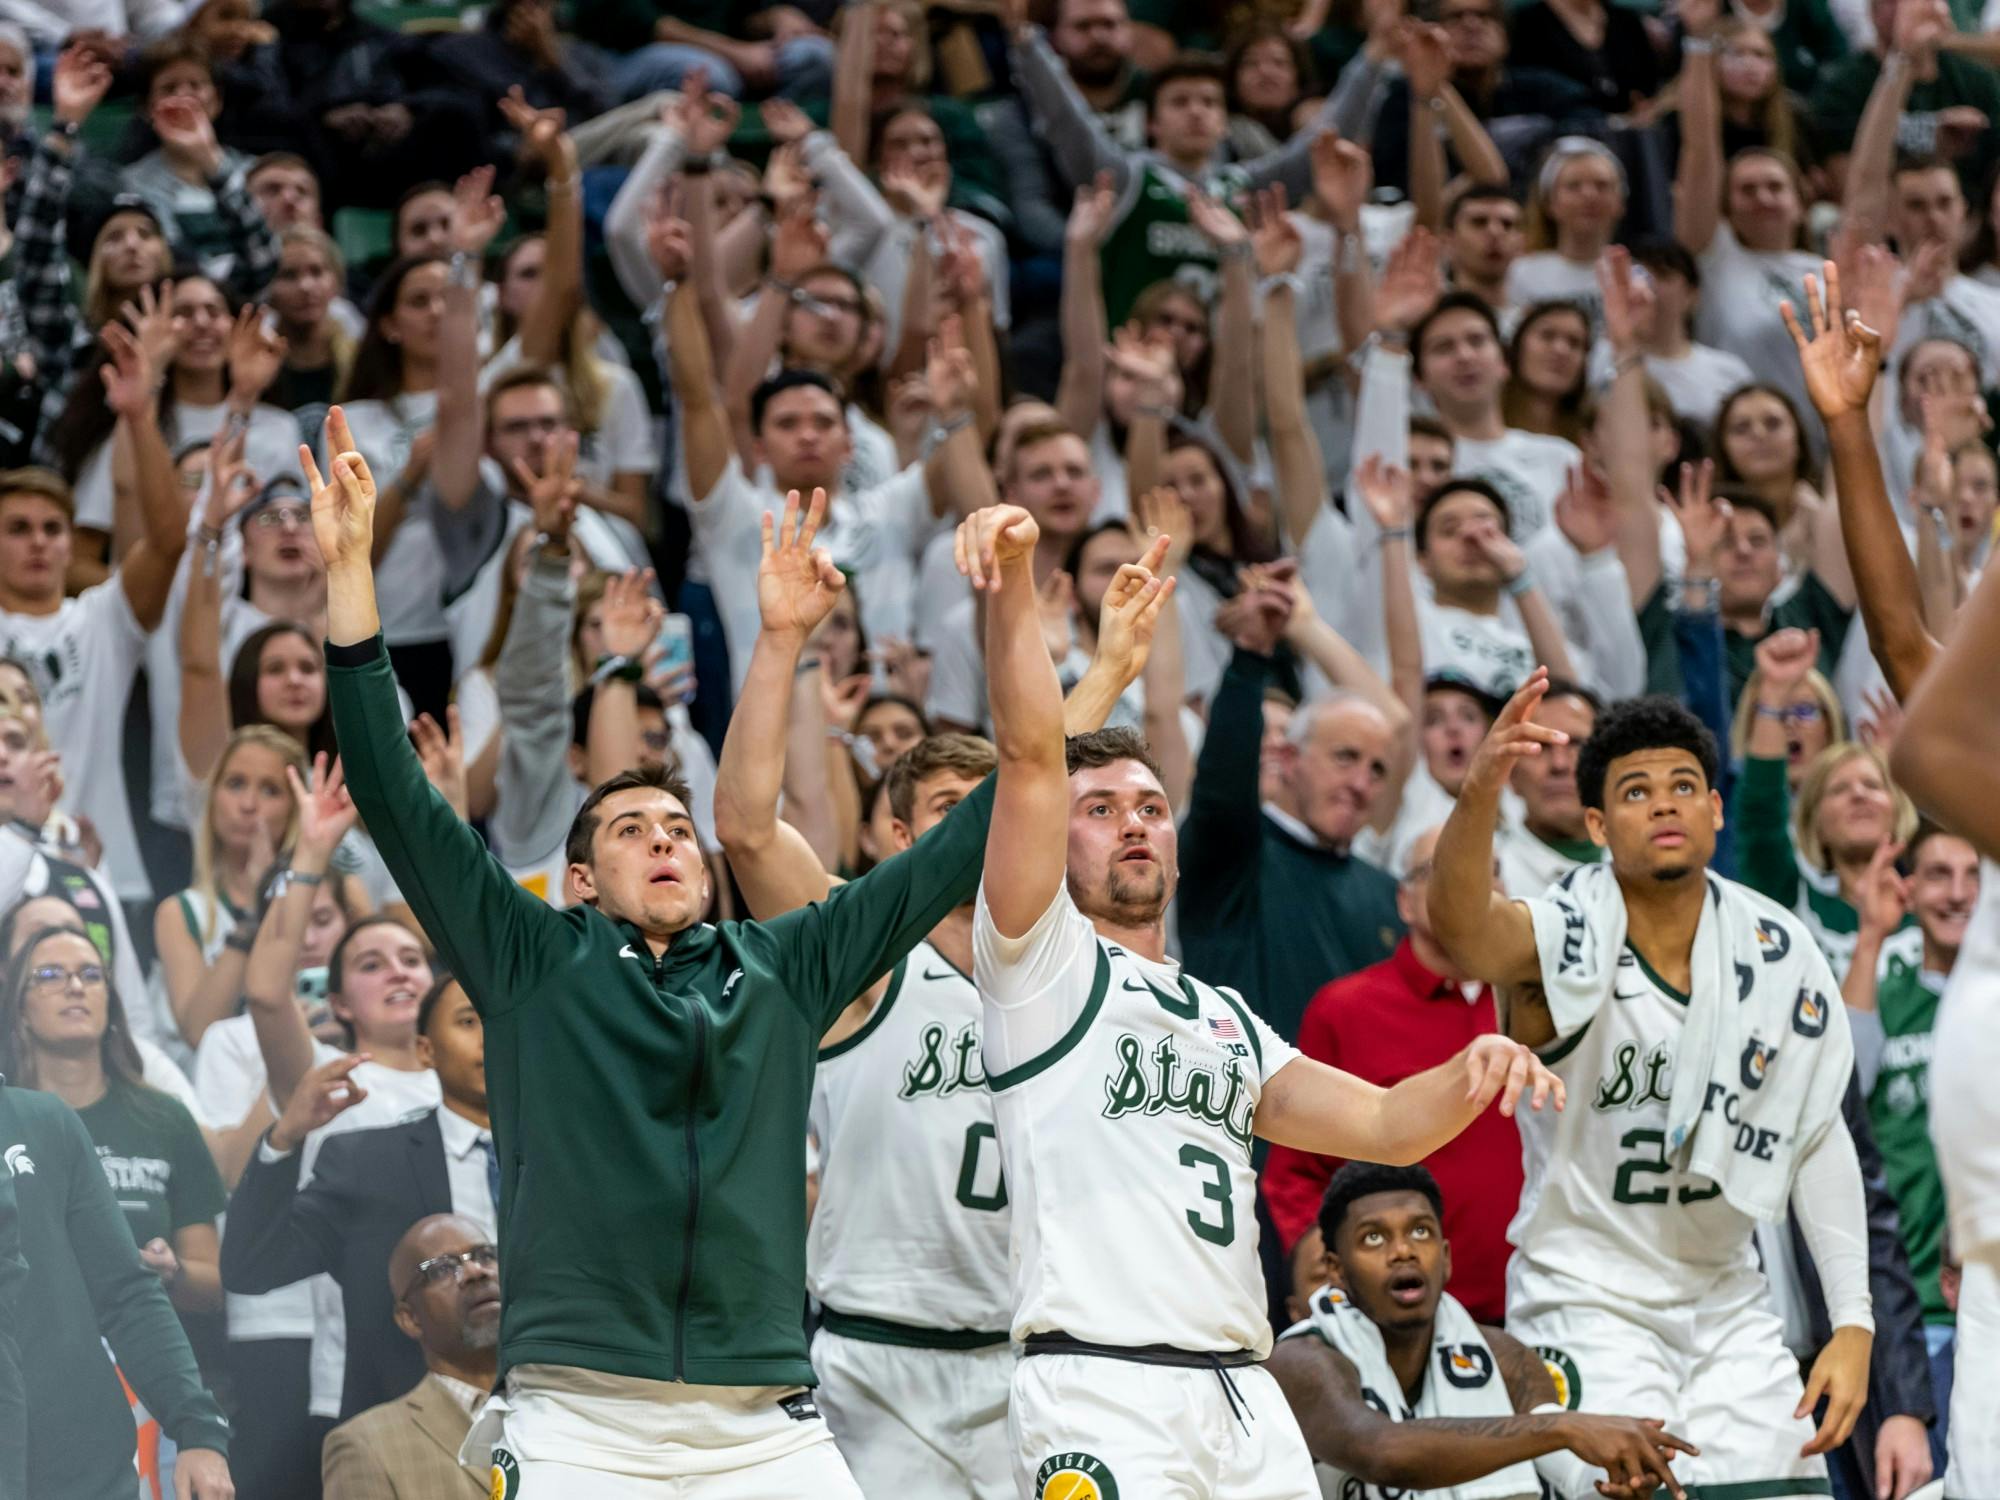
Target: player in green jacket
{"points": [[648, 1075]]}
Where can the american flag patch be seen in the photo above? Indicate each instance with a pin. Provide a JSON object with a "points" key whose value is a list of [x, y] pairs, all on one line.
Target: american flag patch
{"points": [[1224, 1028]]}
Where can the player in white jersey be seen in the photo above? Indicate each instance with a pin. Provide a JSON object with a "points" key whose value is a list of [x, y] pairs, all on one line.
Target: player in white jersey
{"points": [[1128, 1093], [1944, 758], [907, 1249], [1397, 1388], [1635, 1276]]}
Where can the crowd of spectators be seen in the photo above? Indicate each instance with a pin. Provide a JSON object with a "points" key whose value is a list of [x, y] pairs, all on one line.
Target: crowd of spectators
{"points": [[1445, 340]]}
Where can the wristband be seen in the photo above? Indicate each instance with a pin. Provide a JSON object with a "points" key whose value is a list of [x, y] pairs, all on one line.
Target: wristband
{"points": [[1348, 256], [1241, 250], [1160, 413], [67, 129], [1395, 533], [697, 166], [463, 272], [806, 664], [305, 877], [617, 669], [1284, 281], [1521, 582], [1628, 364], [1435, 104], [1697, 46], [1702, 595], [242, 938]]}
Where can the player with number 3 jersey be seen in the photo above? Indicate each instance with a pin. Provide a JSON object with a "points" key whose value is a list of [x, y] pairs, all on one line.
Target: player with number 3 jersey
{"points": [[1127, 1094]]}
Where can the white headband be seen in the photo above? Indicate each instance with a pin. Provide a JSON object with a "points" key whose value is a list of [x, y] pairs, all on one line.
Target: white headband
{"points": [[1566, 149]]}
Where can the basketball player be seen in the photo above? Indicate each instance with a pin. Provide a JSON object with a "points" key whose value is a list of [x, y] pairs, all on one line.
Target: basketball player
{"points": [[1128, 1093], [1635, 1275], [907, 1251], [1397, 1388], [1944, 759]]}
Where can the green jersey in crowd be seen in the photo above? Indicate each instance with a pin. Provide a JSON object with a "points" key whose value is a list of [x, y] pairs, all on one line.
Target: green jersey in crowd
{"points": [[1906, 999]]}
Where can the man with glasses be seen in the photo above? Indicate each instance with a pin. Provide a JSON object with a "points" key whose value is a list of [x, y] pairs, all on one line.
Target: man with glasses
{"points": [[445, 1275], [1386, 1023]]}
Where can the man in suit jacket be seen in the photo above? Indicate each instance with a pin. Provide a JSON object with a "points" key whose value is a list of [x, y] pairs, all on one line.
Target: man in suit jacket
{"points": [[368, 1187], [445, 1276]]}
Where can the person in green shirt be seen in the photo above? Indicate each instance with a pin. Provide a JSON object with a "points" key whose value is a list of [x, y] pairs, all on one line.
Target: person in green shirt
{"points": [[1892, 991], [1749, 572], [648, 1078], [63, 1029]]}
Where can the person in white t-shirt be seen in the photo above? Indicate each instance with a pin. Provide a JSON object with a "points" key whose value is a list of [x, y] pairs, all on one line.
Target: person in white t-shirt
{"points": [[1482, 240], [1456, 356], [1579, 201], [85, 650], [1118, 1076], [801, 441], [1696, 377]]}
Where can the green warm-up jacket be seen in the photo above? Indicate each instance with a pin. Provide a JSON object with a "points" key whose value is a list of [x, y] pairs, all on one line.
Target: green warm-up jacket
{"points": [[650, 1113]]}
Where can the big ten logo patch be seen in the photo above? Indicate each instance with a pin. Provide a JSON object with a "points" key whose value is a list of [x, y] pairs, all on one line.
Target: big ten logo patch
{"points": [[1562, 1370]]}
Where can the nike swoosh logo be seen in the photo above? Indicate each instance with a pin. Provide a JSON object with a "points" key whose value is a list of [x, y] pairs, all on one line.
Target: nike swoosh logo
{"points": [[1136, 987], [730, 983], [947, 974], [1621, 995], [626, 952]]}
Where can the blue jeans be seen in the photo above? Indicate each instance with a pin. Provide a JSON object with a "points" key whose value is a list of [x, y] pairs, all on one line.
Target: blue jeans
{"points": [[1940, 1339], [805, 68]]}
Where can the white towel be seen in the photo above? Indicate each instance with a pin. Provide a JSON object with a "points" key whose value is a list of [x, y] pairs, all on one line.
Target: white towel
{"points": [[1765, 1053], [1461, 1379]]}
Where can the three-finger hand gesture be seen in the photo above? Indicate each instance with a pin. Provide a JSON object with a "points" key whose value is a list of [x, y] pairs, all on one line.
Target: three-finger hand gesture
{"points": [[1514, 736], [343, 503], [1497, 1067], [1130, 613], [797, 582], [326, 811], [1842, 356]]}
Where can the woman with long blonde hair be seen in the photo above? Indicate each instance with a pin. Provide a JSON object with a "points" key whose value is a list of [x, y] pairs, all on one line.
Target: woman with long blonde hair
{"points": [[249, 817]]}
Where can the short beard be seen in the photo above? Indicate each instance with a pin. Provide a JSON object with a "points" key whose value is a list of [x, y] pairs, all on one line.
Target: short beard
{"points": [[1669, 876], [1093, 75], [1137, 901]]}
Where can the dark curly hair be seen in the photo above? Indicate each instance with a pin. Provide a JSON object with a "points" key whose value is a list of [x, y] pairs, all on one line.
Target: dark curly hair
{"points": [[1653, 723], [1361, 1179]]}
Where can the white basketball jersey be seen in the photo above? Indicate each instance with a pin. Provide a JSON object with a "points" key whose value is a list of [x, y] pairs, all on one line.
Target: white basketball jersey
{"points": [[1127, 1141], [911, 1224], [1965, 1059], [1601, 1204]]}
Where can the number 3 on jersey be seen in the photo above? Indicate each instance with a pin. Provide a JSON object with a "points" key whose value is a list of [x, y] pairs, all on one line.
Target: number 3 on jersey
{"points": [[978, 1137], [1216, 1192]]}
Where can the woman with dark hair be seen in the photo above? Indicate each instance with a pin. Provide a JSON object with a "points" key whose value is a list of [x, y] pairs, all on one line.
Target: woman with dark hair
{"points": [[1547, 369], [1226, 536], [1760, 445], [1269, 76], [63, 1030]]}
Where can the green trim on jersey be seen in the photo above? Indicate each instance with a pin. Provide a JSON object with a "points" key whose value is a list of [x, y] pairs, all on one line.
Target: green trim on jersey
{"points": [[1249, 1031], [907, 1335], [1550, 1056], [1679, 996], [881, 1014], [1760, 1489], [1100, 982]]}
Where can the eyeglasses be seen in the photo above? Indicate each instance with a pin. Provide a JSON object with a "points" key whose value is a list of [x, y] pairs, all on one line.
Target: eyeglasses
{"points": [[655, 740], [272, 517], [442, 1268], [828, 307], [529, 427], [1797, 713], [49, 979]]}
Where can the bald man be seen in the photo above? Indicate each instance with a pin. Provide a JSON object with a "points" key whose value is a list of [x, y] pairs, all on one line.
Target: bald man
{"points": [[1270, 891], [445, 1276]]}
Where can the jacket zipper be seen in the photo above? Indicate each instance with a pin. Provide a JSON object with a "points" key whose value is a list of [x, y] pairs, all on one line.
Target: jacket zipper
{"points": [[694, 1183]]}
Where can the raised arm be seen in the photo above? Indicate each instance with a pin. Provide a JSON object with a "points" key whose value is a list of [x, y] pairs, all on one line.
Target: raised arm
{"points": [[559, 295], [41, 267], [1233, 392], [853, 80], [1342, 175], [1841, 360], [798, 243], [1698, 180], [1083, 148], [130, 387], [461, 424], [1080, 389], [705, 435], [631, 213], [493, 933], [1944, 756], [204, 715], [797, 585], [1625, 446], [1487, 935], [955, 471], [1156, 380], [1026, 845], [1295, 454], [631, 620], [1871, 160], [1164, 526]]}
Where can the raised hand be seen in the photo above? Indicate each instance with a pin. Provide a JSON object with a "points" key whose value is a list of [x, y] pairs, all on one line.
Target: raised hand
{"points": [[81, 81], [1514, 737], [1783, 659], [1273, 236], [555, 493], [184, 125], [38, 787], [843, 701], [1583, 510], [323, 1095], [786, 179], [442, 753], [541, 130], [131, 379], [152, 319], [787, 123], [1628, 300], [1255, 620], [256, 355], [343, 503], [798, 241], [1699, 17], [705, 118], [1149, 363], [476, 212], [670, 243], [1704, 519], [230, 484], [326, 811], [915, 193], [991, 538], [961, 273], [1409, 287], [1883, 721], [1342, 175], [631, 614], [1843, 355], [1884, 895], [1385, 489], [1159, 514], [1091, 213], [797, 582], [1130, 613], [1213, 218], [949, 372], [1425, 51]]}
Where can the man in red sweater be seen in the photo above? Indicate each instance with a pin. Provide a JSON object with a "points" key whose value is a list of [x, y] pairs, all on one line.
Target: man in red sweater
{"points": [[1408, 1013]]}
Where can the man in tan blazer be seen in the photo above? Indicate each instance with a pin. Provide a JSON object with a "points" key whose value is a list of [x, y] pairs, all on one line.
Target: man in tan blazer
{"points": [[445, 1276]]}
